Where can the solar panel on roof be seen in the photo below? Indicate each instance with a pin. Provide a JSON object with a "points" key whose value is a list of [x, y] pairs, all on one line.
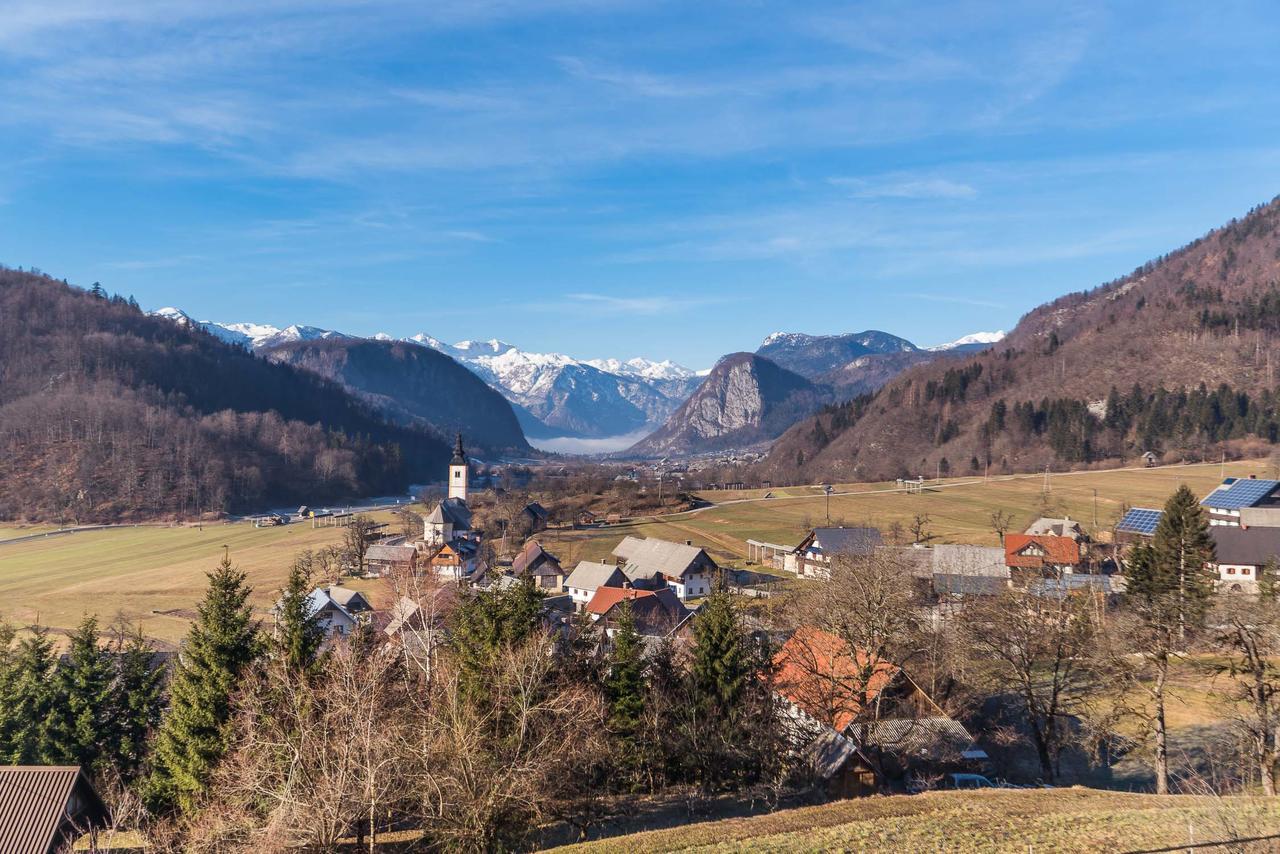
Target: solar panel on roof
{"points": [[1139, 520], [1241, 493]]}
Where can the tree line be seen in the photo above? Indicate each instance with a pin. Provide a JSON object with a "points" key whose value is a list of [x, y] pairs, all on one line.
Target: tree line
{"points": [[108, 413]]}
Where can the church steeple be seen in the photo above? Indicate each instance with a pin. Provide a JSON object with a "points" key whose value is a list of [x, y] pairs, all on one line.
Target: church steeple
{"points": [[458, 473]]}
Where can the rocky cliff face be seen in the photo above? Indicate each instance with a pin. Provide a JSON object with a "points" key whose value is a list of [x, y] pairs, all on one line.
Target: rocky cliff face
{"points": [[411, 384], [745, 400]]}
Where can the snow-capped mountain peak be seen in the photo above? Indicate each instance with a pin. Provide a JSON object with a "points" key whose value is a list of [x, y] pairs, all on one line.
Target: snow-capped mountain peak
{"points": [[973, 341]]}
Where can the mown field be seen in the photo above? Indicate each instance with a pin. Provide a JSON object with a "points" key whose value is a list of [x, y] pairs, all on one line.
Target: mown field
{"points": [[1040, 821], [141, 572], [959, 509]]}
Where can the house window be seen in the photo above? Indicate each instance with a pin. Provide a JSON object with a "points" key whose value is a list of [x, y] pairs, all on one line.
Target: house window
{"points": [[1244, 570], [1231, 570]]}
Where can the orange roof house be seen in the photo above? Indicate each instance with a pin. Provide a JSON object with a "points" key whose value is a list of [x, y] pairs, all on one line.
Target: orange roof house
{"points": [[1045, 551], [815, 671]]}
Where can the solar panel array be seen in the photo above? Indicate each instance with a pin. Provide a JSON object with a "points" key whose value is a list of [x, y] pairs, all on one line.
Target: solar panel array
{"points": [[1242, 493], [1139, 520]]}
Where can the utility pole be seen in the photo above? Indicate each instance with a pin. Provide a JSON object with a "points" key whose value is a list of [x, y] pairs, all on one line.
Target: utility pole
{"points": [[1045, 489], [1095, 510], [827, 491]]}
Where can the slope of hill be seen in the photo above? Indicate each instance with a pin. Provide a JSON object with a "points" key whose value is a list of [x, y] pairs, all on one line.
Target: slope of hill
{"points": [[745, 400], [1092, 377], [811, 356], [988, 820], [107, 413], [413, 385]]}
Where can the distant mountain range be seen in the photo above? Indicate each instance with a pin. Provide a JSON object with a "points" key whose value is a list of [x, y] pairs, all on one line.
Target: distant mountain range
{"points": [[556, 396], [749, 399], [553, 395]]}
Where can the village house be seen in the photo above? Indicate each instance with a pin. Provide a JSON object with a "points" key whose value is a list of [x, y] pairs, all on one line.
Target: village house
{"points": [[535, 516], [540, 566], [588, 576], [1241, 555], [338, 610], [960, 570], [1244, 502], [44, 809], [383, 559], [865, 726], [1064, 527], [812, 557], [652, 563], [1031, 555], [655, 612]]}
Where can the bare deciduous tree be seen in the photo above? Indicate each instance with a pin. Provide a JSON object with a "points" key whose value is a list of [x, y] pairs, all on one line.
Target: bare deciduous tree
{"points": [[1248, 635], [1038, 649], [1001, 522]]}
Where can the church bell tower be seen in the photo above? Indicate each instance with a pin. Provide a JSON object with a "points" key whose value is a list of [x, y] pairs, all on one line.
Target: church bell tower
{"points": [[458, 472]]}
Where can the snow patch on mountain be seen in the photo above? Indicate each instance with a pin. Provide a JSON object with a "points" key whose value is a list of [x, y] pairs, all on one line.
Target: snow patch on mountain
{"points": [[974, 340]]}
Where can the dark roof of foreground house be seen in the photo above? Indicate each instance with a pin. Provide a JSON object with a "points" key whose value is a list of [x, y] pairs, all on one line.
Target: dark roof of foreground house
{"points": [[44, 807], [1245, 546], [841, 541]]}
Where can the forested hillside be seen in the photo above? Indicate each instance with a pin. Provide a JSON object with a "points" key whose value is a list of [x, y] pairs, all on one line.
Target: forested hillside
{"points": [[1176, 358], [413, 385], [106, 414]]}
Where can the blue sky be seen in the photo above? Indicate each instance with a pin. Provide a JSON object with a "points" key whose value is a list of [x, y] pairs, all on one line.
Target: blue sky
{"points": [[617, 178]]}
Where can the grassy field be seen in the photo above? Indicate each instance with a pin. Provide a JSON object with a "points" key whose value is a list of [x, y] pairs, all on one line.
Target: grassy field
{"points": [[12, 531], [140, 572], [959, 509], [1062, 820], [143, 571]]}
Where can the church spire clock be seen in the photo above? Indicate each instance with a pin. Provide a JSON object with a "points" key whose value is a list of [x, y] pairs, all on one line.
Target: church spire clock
{"points": [[458, 474]]}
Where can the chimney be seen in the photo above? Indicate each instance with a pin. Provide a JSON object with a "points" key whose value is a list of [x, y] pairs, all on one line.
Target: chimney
{"points": [[626, 585], [604, 560], [688, 542]]}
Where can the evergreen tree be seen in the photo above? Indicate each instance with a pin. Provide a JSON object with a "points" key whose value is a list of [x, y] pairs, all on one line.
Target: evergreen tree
{"points": [[136, 701], [482, 628], [219, 650], [98, 291], [83, 688], [298, 635], [30, 741], [721, 660], [1182, 548], [8, 689], [625, 689]]}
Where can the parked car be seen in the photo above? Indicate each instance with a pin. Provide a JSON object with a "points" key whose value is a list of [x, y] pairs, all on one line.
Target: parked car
{"points": [[967, 781]]}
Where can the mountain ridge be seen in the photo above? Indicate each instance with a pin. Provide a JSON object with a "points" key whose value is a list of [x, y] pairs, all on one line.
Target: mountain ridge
{"points": [[1092, 377]]}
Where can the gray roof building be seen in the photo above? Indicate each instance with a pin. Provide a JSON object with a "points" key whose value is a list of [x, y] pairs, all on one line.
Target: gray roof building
{"points": [[591, 576], [969, 560], [44, 808], [645, 559], [1246, 546]]}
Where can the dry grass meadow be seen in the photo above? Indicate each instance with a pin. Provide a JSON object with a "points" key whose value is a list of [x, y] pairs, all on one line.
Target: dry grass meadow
{"points": [[1039, 821]]}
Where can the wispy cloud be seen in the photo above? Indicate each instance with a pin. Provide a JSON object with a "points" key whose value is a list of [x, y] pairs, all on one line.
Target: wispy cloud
{"points": [[906, 188]]}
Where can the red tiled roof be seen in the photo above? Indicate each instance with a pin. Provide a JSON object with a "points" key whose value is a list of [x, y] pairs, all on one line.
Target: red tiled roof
{"points": [[606, 597], [1058, 551], [815, 671]]}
